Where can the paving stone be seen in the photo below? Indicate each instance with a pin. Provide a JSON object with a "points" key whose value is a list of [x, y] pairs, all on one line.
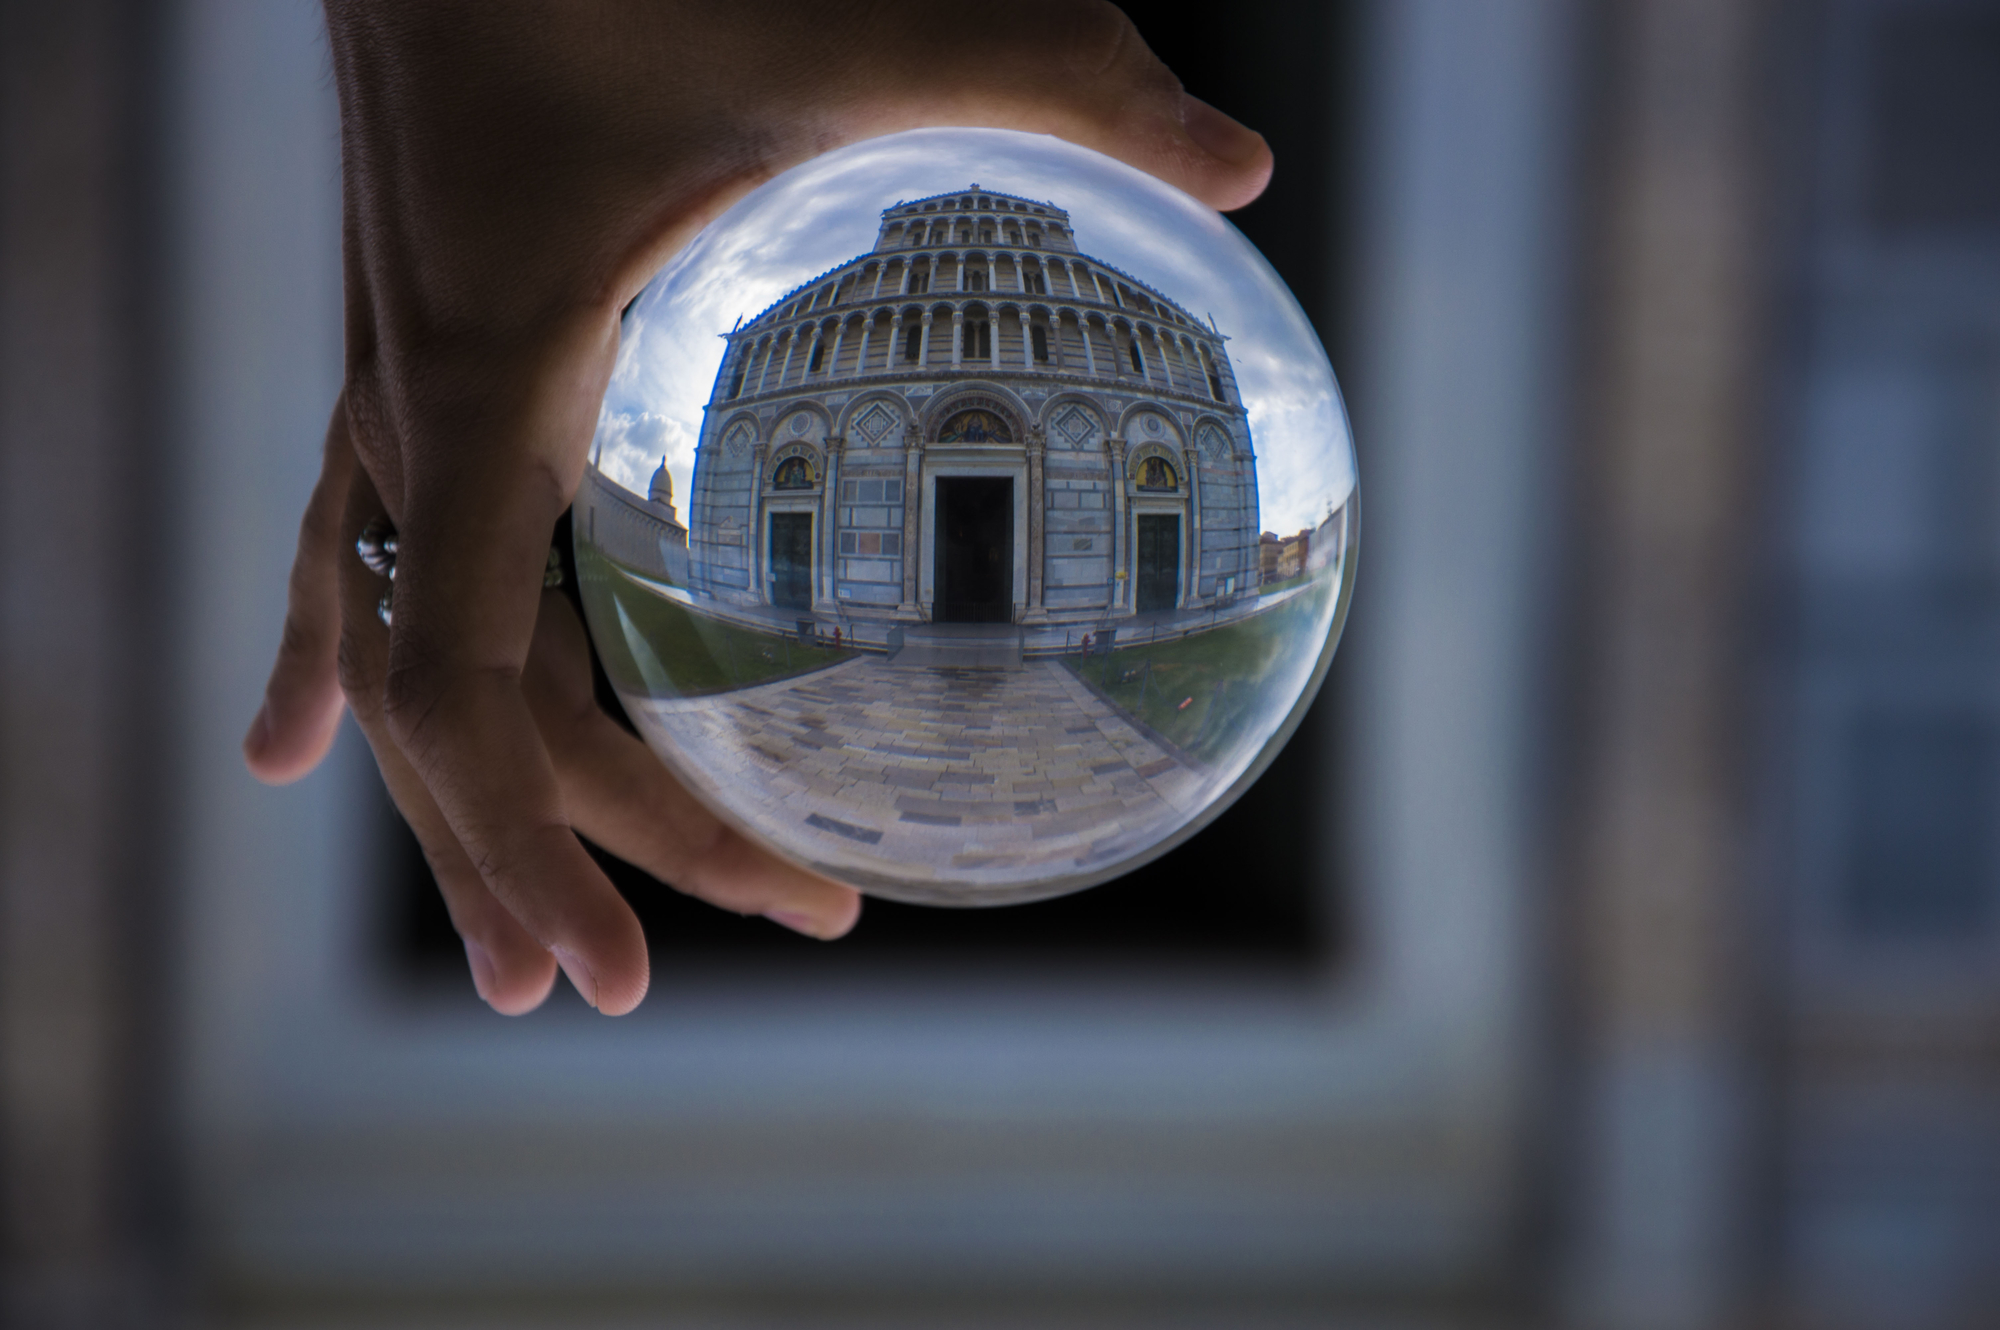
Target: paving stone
{"points": [[994, 771]]}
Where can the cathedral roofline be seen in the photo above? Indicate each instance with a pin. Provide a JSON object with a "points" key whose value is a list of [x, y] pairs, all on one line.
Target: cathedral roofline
{"points": [[1061, 213], [752, 323]]}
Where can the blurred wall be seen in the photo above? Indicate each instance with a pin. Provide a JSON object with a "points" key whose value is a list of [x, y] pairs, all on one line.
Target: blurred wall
{"points": [[87, 825], [1667, 764]]}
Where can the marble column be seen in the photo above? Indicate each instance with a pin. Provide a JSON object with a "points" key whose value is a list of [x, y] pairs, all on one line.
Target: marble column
{"points": [[861, 356], [1037, 501], [829, 540], [1115, 447], [1089, 352], [913, 476], [895, 342], [791, 345], [1027, 342], [924, 346], [752, 524], [957, 338], [833, 360], [1192, 594]]}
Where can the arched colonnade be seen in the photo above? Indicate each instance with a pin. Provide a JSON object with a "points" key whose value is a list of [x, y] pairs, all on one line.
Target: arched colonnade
{"points": [[984, 334]]}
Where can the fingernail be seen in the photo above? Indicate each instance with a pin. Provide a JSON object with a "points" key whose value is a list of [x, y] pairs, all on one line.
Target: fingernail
{"points": [[483, 978], [579, 974], [798, 921], [260, 733], [1218, 135]]}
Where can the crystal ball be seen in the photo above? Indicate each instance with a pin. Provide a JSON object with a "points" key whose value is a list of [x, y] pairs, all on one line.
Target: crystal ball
{"points": [[971, 517]]}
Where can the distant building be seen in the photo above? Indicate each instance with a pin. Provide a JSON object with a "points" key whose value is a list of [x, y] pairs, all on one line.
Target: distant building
{"points": [[1282, 558], [974, 422], [643, 534]]}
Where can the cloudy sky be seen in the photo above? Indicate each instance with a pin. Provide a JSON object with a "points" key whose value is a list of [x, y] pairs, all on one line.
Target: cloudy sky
{"points": [[825, 212]]}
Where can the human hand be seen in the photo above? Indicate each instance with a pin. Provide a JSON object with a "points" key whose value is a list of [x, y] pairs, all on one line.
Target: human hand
{"points": [[513, 173]]}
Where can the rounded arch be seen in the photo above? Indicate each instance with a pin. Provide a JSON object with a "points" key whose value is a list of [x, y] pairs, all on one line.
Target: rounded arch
{"points": [[874, 417], [1132, 424], [1155, 468], [737, 434], [744, 417], [794, 465], [800, 421], [1073, 420], [977, 396], [1214, 437]]}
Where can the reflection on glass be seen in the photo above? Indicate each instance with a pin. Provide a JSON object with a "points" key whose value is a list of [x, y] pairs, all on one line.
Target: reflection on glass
{"points": [[981, 595]]}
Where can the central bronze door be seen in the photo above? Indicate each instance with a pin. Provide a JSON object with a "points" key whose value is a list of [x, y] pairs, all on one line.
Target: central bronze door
{"points": [[975, 549], [791, 560], [1159, 563]]}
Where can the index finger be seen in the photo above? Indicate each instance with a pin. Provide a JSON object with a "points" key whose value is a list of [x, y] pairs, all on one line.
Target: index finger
{"points": [[484, 484]]}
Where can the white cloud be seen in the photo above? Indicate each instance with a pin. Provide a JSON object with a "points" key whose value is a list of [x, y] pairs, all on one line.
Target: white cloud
{"points": [[631, 445], [808, 220]]}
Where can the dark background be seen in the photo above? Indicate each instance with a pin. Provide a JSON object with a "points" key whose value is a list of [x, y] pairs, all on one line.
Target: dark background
{"points": [[1242, 892]]}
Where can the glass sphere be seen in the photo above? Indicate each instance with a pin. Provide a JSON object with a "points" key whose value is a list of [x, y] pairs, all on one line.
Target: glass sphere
{"points": [[1019, 516]]}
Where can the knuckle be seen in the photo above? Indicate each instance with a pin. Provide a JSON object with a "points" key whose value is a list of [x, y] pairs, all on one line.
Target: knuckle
{"points": [[542, 478], [356, 665], [411, 690], [1098, 36]]}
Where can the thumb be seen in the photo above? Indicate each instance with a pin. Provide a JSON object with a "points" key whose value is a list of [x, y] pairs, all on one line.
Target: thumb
{"points": [[1079, 71]]}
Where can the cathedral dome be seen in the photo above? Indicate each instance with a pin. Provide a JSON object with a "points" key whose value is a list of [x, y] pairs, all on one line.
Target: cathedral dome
{"points": [[661, 491]]}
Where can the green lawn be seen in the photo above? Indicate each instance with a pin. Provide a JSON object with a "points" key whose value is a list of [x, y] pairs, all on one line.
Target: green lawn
{"points": [[690, 653], [1196, 690]]}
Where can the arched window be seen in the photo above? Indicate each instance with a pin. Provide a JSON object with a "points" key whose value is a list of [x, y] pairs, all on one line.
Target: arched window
{"points": [[1138, 366], [1037, 284], [1156, 473], [819, 354], [975, 279], [920, 280], [736, 384], [977, 340], [912, 342], [794, 473], [1040, 337]]}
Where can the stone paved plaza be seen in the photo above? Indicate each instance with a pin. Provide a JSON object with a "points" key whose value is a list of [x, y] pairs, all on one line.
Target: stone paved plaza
{"points": [[894, 775]]}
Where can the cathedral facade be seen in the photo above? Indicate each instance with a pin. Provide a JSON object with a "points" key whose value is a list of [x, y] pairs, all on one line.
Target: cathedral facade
{"points": [[975, 422]]}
